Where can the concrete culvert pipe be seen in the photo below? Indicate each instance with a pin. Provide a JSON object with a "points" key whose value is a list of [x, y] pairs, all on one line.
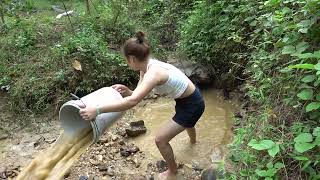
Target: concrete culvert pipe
{"points": [[73, 124]]}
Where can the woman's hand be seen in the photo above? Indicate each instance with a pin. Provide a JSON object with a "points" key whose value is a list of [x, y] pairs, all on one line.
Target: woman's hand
{"points": [[88, 113], [122, 89]]}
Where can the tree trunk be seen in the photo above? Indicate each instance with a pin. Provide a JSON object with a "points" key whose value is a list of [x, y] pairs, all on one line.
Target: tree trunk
{"points": [[88, 6]]}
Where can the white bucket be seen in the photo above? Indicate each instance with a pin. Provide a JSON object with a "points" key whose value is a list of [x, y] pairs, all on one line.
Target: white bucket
{"points": [[72, 123]]}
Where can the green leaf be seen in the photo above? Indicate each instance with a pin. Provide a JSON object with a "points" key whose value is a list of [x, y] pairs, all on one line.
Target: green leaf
{"points": [[257, 146], [268, 178], [288, 49], [301, 158], [312, 106], [316, 132], [302, 46], [318, 97], [267, 143], [261, 173], [306, 94], [286, 10], [306, 164], [303, 30], [269, 165], [303, 137], [308, 78], [279, 165], [271, 172], [317, 141], [302, 66], [316, 83], [305, 55], [274, 150], [317, 66], [262, 145], [317, 54], [305, 23], [303, 147]]}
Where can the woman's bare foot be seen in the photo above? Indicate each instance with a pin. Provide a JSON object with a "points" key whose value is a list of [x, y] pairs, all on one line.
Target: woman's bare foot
{"points": [[167, 175], [193, 141]]}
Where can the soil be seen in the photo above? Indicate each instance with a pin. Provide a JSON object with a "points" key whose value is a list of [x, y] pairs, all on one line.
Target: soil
{"points": [[113, 157]]}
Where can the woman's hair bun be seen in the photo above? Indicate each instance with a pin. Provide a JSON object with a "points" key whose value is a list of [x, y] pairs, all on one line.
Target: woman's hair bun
{"points": [[140, 37]]}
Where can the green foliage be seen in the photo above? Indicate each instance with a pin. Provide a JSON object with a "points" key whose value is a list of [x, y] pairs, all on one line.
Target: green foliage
{"points": [[100, 66], [282, 39], [269, 145], [160, 19], [213, 34], [37, 55]]}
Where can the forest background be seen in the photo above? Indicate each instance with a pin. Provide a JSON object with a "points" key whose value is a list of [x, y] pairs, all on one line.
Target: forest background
{"points": [[271, 47]]}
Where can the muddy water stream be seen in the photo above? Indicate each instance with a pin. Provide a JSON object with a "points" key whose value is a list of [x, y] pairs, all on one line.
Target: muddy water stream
{"points": [[213, 130], [57, 160]]}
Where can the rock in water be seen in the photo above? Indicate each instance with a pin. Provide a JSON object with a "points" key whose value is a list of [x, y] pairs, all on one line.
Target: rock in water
{"points": [[198, 73], [137, 123], [136, 128], [125, 152], [209, 174], [162, 166], [83, 178]]}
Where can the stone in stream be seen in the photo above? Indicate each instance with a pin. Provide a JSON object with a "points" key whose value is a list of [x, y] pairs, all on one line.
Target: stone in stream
{"points": [[198, 73], [94, 178], [125, 152], [137, 123], [161, 166], [94, 162], [103, 140], [107, 170], [83, 178], [121, 142], [134, 149], [3, 136], [136, 128], [3, 173], [39, 141], [196, 166], [103, 167], [67, 174], [211, 174]]}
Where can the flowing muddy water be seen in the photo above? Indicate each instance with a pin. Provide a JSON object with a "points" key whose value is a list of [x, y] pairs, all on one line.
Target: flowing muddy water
{"points": [[57, 160], [213, 129]]}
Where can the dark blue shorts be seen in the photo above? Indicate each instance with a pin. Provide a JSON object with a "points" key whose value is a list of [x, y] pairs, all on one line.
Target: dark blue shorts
{"points": [[189, 109]]}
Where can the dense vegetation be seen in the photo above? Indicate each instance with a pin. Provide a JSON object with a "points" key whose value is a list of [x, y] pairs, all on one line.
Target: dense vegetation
{"points": [[273, 45]]}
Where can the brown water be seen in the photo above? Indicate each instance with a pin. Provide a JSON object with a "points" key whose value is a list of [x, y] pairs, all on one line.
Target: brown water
{"points": [[57, 160], [213, 130]]}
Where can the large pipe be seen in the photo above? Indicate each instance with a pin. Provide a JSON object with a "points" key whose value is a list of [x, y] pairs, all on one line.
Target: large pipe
{"points": [[73, 124]]}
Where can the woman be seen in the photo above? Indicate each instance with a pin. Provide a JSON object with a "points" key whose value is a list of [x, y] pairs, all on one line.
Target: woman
{"points": [[166, 80]]}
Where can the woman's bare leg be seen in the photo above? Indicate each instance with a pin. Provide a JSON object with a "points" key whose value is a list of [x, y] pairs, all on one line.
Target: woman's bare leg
{"points": [[165, 134], [192, 134]]}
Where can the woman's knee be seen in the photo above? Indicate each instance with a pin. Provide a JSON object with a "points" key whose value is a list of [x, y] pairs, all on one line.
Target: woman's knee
{"points": [[159, 140]]}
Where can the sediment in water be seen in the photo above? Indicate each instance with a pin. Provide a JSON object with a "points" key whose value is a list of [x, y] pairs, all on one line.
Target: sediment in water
{"points": [[57, 160]]}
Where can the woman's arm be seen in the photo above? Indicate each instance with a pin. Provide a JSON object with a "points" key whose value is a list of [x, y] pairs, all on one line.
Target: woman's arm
{"points": [[149, 81]]}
